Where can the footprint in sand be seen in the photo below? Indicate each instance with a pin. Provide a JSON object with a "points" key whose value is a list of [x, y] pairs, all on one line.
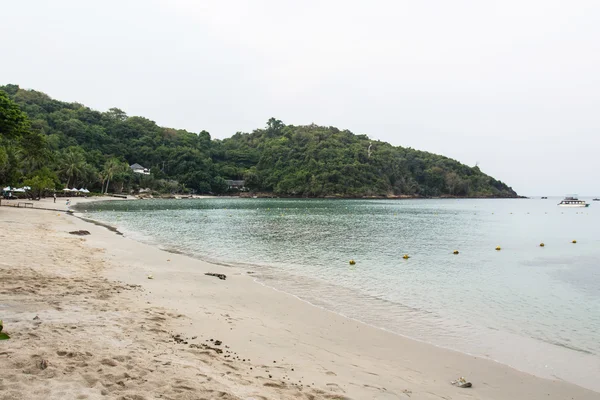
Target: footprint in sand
{"points": [[334, 387], [109, 362], [274, 385]]}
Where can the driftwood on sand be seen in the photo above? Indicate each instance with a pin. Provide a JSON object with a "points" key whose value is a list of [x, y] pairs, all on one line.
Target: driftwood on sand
{"points": [[220, 276]]}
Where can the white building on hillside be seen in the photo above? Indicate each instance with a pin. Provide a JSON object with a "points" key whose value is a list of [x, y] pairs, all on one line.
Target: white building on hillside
{"points": [[138, 169]]}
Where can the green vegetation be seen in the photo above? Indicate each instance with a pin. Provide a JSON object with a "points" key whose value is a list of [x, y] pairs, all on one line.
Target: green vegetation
{"points": [[325, 161], [46, 143], [3, 336]]}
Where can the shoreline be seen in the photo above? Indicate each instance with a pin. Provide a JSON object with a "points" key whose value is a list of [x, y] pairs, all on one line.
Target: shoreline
{"points": [[399, 367], [265, 195], [242, 267], [543, 366]]}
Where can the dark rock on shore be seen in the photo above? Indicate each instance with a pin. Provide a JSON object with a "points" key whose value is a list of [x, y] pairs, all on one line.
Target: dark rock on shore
{"points": [[220, 276], [80, 233]]}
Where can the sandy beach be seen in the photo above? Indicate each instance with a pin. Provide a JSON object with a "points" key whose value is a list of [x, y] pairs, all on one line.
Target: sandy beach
{"points": [[86, 322]]}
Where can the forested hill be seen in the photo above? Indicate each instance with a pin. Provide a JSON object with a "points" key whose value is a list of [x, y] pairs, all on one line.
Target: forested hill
{"points": [[314, 160], [70, 144]]}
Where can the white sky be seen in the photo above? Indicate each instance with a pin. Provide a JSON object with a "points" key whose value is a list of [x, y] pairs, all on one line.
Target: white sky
{"points": [[513, 85]]}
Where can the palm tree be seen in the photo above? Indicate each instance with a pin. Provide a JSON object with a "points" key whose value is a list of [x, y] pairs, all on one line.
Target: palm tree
{"points": [[102, 178], [112, 167], [71, 165], [35, 155]]}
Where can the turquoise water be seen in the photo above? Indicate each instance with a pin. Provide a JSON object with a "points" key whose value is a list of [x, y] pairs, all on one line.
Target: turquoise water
{"points": [[537, 309]]}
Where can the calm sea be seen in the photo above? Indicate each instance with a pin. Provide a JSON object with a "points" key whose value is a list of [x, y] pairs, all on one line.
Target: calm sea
{"points": [[534, 308]]}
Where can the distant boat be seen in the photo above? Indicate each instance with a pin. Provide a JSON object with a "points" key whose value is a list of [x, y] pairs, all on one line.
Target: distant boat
{"points": [[544, 198], [596, 199], [573, 201]]}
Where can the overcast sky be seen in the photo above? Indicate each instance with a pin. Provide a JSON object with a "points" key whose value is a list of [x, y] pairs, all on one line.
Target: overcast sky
{"points": [[513, 85]]}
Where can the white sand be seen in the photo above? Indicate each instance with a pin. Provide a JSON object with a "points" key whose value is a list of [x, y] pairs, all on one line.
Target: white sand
{"points": [[103, 336]]}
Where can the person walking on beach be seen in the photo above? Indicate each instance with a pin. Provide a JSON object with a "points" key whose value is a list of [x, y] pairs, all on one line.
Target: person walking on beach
{"points": [[68, 202], [55, 197]]}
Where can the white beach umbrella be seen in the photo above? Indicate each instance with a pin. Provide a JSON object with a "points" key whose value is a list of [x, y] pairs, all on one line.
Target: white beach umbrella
{"points": [[84, 191], [66, 190], [19, 190], [7, 189], [74, 190]]}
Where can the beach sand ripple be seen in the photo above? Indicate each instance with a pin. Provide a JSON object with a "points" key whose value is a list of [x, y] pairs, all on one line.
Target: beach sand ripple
{"points": [[77, 335]]}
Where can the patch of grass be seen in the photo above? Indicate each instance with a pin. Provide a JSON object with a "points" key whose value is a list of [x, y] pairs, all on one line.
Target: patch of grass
{"points": [[3, 336]]}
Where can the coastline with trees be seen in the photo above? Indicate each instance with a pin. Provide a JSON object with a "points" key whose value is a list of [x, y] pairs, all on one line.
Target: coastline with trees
{"points": [[46, 143]]}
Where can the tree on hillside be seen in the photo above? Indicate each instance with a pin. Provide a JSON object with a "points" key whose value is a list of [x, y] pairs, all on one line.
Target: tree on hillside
{"points": [[8, 165], [34, 152], [274, 126], [71, 164], [43, 180], [116, 114], [453, 182], [112, 167], [13, 121], [21, 149]]}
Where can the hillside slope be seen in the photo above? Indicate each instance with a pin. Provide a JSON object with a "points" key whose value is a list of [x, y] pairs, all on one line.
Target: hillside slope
{"points": [[83, 147], [325, 161]]}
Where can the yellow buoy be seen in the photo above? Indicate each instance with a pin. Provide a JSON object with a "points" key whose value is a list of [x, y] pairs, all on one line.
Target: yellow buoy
{"points": [[455, 252], [542, 244], [150, 277], [406, 256], [352, 262], [574, 241], [498, 248]]}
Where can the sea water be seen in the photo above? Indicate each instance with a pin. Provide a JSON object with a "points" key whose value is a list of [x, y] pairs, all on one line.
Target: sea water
{"points": [[534, 308]]}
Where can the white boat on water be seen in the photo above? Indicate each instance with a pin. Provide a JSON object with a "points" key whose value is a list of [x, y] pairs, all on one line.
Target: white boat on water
{"points": [[573, 201]]}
